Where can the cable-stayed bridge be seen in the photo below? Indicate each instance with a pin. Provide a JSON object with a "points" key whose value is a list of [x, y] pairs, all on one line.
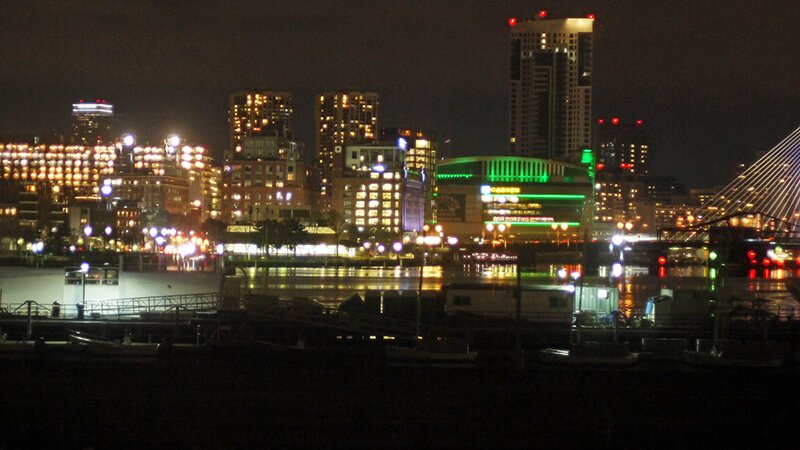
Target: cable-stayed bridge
{"points": [[762, 202]]}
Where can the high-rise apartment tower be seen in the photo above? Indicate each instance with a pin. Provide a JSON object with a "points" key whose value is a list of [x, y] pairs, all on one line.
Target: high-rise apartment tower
{"points": [[550, 98], [343, 118], [258, 113]]}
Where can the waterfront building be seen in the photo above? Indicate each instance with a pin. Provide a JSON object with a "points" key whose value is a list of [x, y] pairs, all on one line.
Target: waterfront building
{"points": [[421, 148], [550, 95], [510, 198], [42, 179], [376, 191], [174, 177], [92, 123], [342, 118], [268, 180], [258, 113]]}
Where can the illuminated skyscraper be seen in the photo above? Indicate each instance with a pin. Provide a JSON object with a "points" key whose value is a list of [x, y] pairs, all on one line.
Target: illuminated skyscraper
{"points": [[258, 113], [343, 118], [421, 155], [550, 97], [92, 123]]}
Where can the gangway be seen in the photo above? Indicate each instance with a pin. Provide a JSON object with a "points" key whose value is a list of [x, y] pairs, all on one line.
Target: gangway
{"points": [[134, 306]]}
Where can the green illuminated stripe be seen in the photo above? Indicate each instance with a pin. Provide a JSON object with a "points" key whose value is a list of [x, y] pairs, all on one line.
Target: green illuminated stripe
{"points": [[536, 224], [454, 175], [544, 196]]}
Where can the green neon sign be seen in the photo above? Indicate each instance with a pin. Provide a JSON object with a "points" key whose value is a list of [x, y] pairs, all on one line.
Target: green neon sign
{"points": [[535, 224], [587, 157], [544, 196]]}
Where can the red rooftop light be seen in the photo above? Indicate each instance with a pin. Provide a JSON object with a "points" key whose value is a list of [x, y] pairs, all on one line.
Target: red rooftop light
{"points": [[590, 17], [512, 21], [542, 14], [615, 120], [639, 122], [601, 121]]}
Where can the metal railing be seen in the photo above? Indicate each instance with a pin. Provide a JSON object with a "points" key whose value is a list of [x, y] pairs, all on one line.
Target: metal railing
{"points": [[160, 303]]}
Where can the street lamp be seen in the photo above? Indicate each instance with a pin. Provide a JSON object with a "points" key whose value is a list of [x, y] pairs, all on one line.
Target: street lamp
{"points": [[87, 231], [84, 271], [397, 247], [425, 229]]}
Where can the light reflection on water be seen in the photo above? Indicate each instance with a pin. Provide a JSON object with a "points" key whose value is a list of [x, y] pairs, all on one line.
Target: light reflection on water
{"points": [[332, 285]]}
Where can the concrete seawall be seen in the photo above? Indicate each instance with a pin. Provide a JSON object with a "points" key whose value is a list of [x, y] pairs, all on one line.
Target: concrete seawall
{"points": [[19, 284]]}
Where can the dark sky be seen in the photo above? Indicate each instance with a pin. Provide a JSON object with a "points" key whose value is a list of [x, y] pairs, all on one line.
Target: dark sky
{"points": [[716, 80]]}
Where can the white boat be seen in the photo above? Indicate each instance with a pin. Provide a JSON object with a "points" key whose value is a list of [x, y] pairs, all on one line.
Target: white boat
{"points": [[735, 354], [99, 346], [432, 353], [591, 354]]}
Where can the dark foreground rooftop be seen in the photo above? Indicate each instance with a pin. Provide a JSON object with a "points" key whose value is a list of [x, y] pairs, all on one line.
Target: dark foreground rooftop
{"points": [[254, 403]]}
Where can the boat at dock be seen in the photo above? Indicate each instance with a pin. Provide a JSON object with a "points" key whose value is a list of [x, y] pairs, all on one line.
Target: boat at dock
{"points": [[591, 353], [99, 346], [735, 354], [433, 353]]}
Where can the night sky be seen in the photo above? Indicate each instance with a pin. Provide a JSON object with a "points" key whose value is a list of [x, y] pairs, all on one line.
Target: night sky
{"points": [[716, 80]]}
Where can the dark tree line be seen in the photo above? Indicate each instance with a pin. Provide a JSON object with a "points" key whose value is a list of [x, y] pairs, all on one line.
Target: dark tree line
{"points": [[287, 233]]}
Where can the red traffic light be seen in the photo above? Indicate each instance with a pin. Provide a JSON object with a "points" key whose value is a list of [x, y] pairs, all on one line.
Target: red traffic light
{"points": [[542, 14], [751, 254], [662, 260], [766, 262]]}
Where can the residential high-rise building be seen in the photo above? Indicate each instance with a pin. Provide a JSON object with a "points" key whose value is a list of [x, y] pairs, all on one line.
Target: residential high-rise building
{"points": [[92, 123], [421, 149], [267, 180], [258, 113], [377, 192], [343, 118], [550, 98]]}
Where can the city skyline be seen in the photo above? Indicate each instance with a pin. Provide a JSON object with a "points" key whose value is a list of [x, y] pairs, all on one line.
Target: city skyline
{"points": [[689, 81]]}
